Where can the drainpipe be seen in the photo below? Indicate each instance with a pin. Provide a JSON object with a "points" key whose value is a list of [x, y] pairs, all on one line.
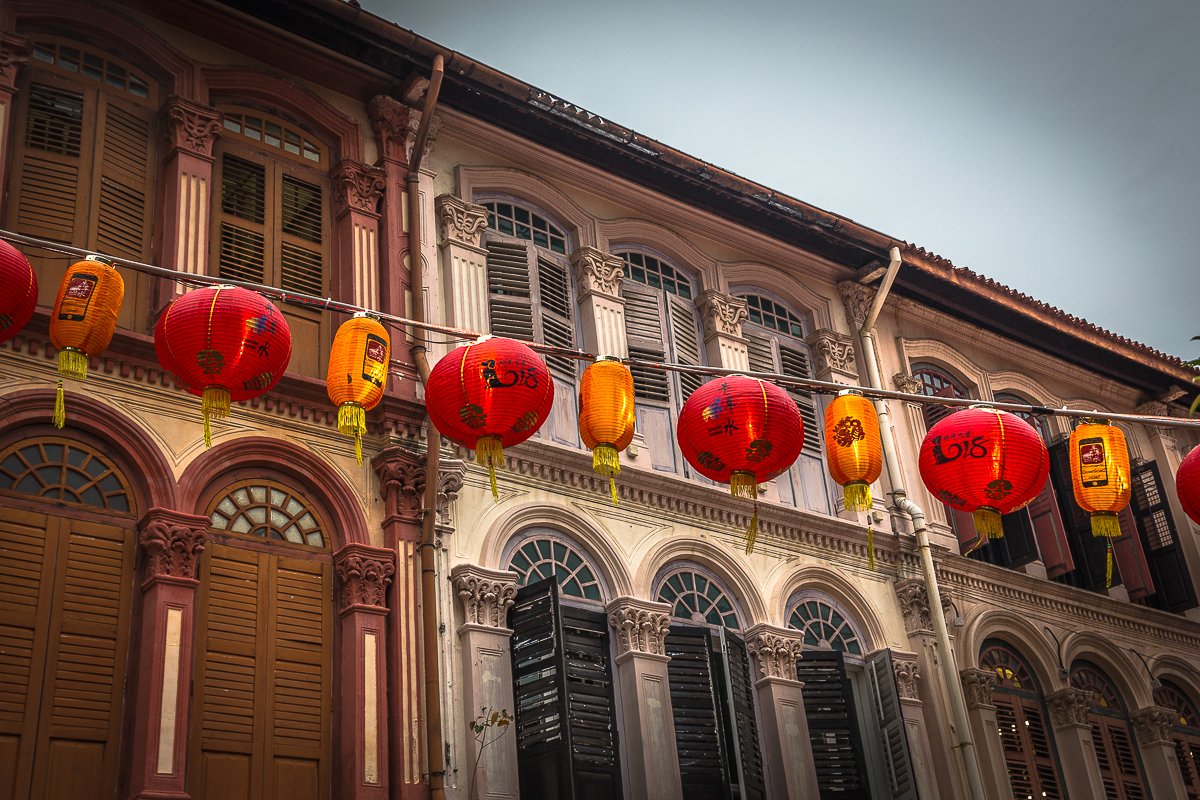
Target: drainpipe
{"points": [[434, 746], [958, 702]]}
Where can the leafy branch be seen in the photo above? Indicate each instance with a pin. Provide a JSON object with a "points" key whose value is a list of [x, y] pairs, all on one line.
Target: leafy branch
{"points": [[1195, 362], [487, 722]]}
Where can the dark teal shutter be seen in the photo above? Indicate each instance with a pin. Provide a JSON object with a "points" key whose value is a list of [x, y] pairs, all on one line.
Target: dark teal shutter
{"points": [[1176, 591], [592, 712], [703, 757], [833, 726], [743, 721], [893, 737]]}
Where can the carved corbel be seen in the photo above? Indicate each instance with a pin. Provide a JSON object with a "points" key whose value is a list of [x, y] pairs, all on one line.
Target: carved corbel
{"points": [[364, 573], [1069, 706], [776, 651], [357, 187], [172, 543], [1152, 725], [977, 685], [192, 127], [389, 121], [598, 271], [641, 626], [14, 53], [461, 222], [485, 594], [834, 352], [723, 313], [857, 299]]}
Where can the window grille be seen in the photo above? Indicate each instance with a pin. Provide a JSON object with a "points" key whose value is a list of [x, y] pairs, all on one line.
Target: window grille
{"points": [[268, 511]]}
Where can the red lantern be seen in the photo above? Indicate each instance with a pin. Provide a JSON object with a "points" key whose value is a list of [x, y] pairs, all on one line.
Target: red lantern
{"points": [[986, 461], [223, 343], [488, 395], [19, 297], [1187, 484], [741, 431]]}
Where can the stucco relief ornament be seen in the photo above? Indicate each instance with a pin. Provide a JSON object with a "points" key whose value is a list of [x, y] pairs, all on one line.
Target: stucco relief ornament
{"points": [[723, 313], [597, 270], [1069, 706], [414, 124], [485, 600], [389, 120], [640, 630], [834, 351], [401, 481], [357, 187], [14, 53], [978, 685], [776, 654], [192, 127], [365, 576], [1153, 725], [172, 548], [450, 483], [907, 673], [914, 603], [462, 222], [908, 384], [857, 299]]}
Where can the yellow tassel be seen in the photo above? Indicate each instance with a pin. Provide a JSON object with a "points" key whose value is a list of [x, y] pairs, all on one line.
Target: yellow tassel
{"points": [[358, 449], [207, 431], [72, 363], [870, 547], [743, 484], [490, 452], [1108, 567], [988, 523], [612, 488], [606, 460], [60, 408], [857, 496], [1106, 524], [978, 543], [214, 402], [352, 421], [752, 531]]}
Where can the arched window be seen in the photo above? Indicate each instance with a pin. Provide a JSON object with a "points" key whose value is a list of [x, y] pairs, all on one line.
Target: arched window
{"points": [[545, 557], [936, 382], [267, 510], [271, 219], [64, 471], [1027, 740], [696, 596], [84, 156], [775, 341], [1040, 424], [824, 627], [1185, 733], [1112, 738]]}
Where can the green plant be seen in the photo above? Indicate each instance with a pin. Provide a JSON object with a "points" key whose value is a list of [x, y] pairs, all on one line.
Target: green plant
{"points": [[1195, 362], [489, 720]]}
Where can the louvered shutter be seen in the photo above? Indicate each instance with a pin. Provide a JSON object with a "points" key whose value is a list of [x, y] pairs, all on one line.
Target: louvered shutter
{"points": [[685, 340], [646, 338], [1120, 767], [1128, 555], [833, 726], [743, 719], [1050, 532], [299, 250], [1172, 579], [893, 739], [704, 766], [555, 308], [509, 292], [242, 237], [1028, 752], [1087, 551], [591, 710], [1187, 753], [794, 363]]}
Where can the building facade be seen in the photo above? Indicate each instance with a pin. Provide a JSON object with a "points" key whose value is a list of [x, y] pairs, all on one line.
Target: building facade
{"points": [[259, 600]]}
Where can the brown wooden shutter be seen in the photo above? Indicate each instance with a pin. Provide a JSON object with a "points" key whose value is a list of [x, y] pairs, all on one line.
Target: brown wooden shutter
{"points": [[1051, 533], [1087, 551], [1120, 768], [1130, 558], [1028, 748], [242, 235]]}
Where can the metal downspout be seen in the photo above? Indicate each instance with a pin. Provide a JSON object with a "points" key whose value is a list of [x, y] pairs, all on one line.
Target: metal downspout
{"points": [[958, 702], [434, 747]]}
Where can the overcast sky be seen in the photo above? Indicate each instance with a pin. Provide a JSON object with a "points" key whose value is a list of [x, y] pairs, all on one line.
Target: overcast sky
{"points": [[1051, 145]]}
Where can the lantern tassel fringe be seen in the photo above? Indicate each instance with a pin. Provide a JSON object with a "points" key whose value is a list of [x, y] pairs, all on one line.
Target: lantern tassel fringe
{"points": [[857, 496], [1108, 566], [752, 531], [988, 523], [743, 484], [352, 421], [214, 402], [490, 453], [870, 547], [60, 408], [975, 545], [72, 363], [606, 461], [1106, 524]]}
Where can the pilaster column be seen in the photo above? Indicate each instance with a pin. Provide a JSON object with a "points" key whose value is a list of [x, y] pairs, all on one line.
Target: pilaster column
{"points": [[357, 189], [977, 686], [364, 574], [906, 669], [463, 262], [401, 475], [648, 739], [601, 308], [723, 315], [1073, 734], [171, 543], [1152, 727], [786, 747], [14, 52], [485, 641]]}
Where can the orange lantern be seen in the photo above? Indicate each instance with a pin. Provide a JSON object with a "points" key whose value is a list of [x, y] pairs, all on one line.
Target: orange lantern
{"points": [[606, 415], [1101, 479], [84, 319], [852, 447], [358, 368]]}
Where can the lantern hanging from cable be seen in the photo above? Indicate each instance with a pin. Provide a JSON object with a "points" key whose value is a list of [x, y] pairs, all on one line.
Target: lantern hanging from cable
{"points": [[1187, 484], [1100, 477], [223, 343], [488, 395], [358, 368], [741, 431], [84, 319], [606, 415], [19, 297], [854, 453], [985, 461]]}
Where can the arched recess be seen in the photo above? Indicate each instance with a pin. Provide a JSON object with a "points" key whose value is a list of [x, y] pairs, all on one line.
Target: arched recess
{"points": [[633, 233], [475, 182], [833, 584], [986, 622], [591, 539], [121, 438], [1128, 676], [1180, 671], [539, 552], [711, 556], [943, 355], [247, 458], [746, 276]]}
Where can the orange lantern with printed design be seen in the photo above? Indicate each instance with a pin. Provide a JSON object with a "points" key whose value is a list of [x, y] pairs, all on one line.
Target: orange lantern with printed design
{"points": [[19, 297], [84, 319], [357, 376], [606, 415], [853, 448], [1100, 477]]}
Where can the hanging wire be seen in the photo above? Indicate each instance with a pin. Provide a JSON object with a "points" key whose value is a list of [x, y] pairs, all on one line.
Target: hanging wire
{"points": [[454, 335]]}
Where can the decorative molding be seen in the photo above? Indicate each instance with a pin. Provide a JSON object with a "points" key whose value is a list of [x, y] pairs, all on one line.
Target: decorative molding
{"points": [[357, 187], [389, 121], [978, 684], [1157, 408], [907, 671], [401, 476], [914, 603], [1152, 725], [598, 271], [450, 483], [1069, 706], [641, 625], [365, 573], [485, 594], [723, 313], [192, 127], [776, 651], [14, 53], [410, 137], [834, 352], [908, 384], [172, 542], [462, 222], [857, 299]]}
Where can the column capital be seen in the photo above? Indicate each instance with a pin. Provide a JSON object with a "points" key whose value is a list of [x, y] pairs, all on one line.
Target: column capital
{"points": [[14, 53], [172, 542], [723, 313], [775, 650], [357, 187], [907, 672], [834, 354], [857, 299], [365, 573], [1069, 706], [191, 127], [1152, 725], [389, 120], [978, 684], [485, 594], [597, 271], [401, 476], [914, 603], [462, 222], [641, 625]]}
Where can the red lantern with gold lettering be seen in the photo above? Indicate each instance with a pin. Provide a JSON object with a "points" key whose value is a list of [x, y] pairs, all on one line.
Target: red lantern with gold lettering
{"points": [[1187, 484], [19, 297], [488, 395], [223, 343], [741, 431], [985, 461]]}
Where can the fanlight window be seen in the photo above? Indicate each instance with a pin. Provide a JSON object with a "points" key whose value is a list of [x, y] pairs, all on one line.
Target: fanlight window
{"points": [[824, 627], [1039, 423], [542, 558], [695, 596], [766, 312], [656, 274], [273, 134], [513, 220], [1168, 695], [54, 469], [269, 511], [1011, 672], [99, 68], [1104, 696]]}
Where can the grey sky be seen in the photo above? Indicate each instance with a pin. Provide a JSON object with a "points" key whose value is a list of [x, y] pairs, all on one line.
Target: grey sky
{"points": [[1053, 146]]}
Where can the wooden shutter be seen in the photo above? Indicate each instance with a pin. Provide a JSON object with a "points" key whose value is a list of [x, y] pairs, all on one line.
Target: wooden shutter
{"points": [[833, 726], [1172, 579], [1017, 547], [1087, 551], [742, 719], [1050, 532], [646, 338], [703, 758], [1028, 748], [558, 320], [685, 340], [794, 363], [1187, 753], [591, 709], [509, 296], [1120, 764], [963, 523], [242, 234], [892, 736], [1129, 558]]}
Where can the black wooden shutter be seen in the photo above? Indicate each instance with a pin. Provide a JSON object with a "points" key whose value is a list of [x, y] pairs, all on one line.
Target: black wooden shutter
{"points": [[703, 757], [1172, 579], [833, 726], [1017, 547], [1087, 551], [742, 720], [592, 717], [893, 738]]}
